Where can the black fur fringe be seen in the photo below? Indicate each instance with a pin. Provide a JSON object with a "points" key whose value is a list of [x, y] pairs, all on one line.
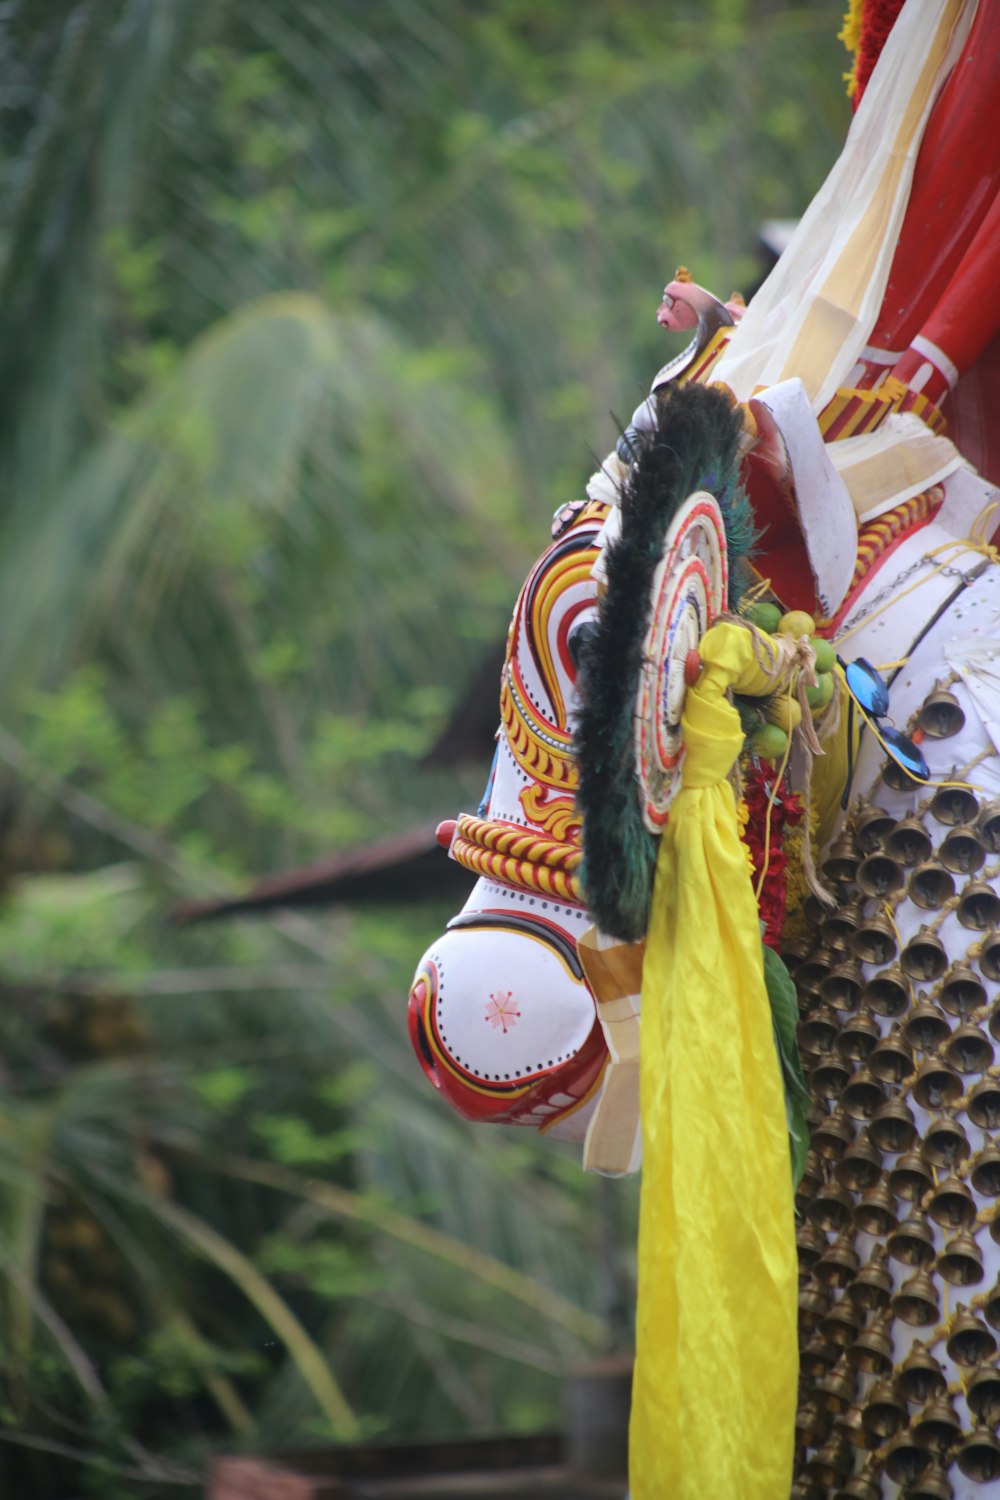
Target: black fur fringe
{"points": [[694, 446]]}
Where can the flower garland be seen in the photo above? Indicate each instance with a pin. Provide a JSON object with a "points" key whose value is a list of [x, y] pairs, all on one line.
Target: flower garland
{"points": [[762, 791]]}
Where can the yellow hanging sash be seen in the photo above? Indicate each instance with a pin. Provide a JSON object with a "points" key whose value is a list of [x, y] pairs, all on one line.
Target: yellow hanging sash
{"points": [[713, 1406]]}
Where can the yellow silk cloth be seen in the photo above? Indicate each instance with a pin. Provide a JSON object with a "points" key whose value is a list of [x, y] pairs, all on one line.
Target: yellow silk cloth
{"points": [[713, 1406]]}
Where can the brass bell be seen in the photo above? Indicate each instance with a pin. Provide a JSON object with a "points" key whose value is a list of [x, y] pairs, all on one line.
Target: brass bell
{"points": [[931, 885], [892, 1127], [937, 1426], [937, 1085], [880, 875], [979, 906], [983, 1107], [831, 1208], [945, 1143], [812, 1425], [874, 940], [817, 1356], [804, 1489], [840, 926], [985, 1173], [906, 1460], [994, 1022], [841, 1324], [814, 1304], [812, 1174], [988, 824], [862, 1095], [810, 1244], [909, 842], [892, 1059], [828, 1075], [921, 1378], [851, 1428], [924, 957], [941, 714], [813, 970], [961, 1261], [841, 863], [814, 910], [794, 949], [989, 956], [970, 1342], [952, 805], [911, 1177], [818, 1031], [925, 1027], [897, 778], [885, 1411], [979, 1456], [871, 1352], [830, 1465], [835, 1392], [872, 1286], [962, 991], [932, 1485], [995, 1227], [916, 1302], [831, 1137], [983, 1395], [860, 1167], [871, 826], [842, 986], [962, 851], [839, 1263], [875, 1213], [860, 1487], [858, 1035], [912, 1242], [991, 1307], [952, 1206], [969, 1050], [888, 993]]}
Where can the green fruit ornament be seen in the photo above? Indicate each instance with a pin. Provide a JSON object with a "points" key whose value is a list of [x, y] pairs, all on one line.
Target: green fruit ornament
{"points": [[826, 656], [764, 616], [796, 623], [819, 696], [770, 742]]}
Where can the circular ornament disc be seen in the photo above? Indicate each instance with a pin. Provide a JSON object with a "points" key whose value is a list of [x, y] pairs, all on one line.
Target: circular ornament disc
{"points": [[690, 590]]}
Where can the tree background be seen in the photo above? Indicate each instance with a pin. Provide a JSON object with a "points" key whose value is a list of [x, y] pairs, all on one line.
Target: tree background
{"points": [[310, 315]]}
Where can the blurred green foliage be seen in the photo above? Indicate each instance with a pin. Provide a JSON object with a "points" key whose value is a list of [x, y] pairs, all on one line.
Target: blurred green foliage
{"points": [[310, 314]]}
